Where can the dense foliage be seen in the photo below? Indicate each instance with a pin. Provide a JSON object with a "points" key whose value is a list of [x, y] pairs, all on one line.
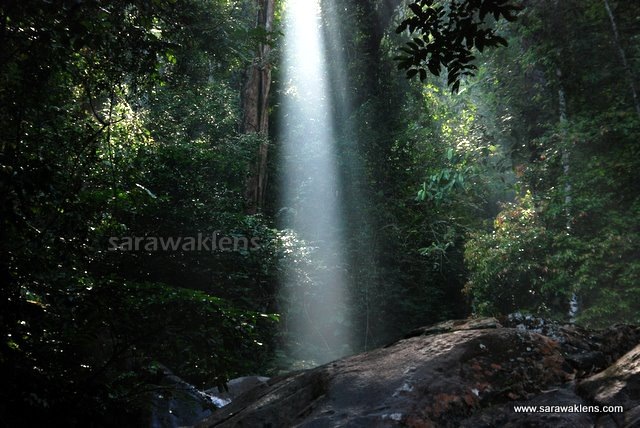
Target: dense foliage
{"points": [[119, 119], [573, 227]]}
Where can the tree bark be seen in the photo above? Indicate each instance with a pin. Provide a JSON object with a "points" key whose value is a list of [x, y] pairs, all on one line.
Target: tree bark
{"points": [[255, 106], [566, 153], [574, 306], [623, 56]]}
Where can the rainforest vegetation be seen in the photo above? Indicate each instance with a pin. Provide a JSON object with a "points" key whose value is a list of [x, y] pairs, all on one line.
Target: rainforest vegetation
{"points": [[488, 149]]}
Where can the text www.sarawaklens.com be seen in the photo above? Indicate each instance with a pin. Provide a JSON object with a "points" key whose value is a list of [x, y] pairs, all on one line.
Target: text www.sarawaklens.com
{"points": [[575, 408]]}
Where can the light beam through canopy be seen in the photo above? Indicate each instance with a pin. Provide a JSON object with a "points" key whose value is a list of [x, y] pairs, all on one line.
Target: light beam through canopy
{"points": [[318, 319]]}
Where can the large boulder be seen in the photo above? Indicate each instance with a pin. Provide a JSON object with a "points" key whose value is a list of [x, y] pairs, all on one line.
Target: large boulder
{"points": [[618, 385], [468, 373]]}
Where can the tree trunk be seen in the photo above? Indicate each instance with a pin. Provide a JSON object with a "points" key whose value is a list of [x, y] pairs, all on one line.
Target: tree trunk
{"points": [[623, 57], [566, 153], [255, 106], [566, 167]]}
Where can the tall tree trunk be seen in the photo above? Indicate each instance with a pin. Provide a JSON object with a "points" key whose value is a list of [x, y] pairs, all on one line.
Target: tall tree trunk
{"points": [[566, 167], [566, 153], [623, 56], [255, 106]]}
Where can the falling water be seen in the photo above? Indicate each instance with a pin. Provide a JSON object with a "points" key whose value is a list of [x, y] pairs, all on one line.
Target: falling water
{"points": [[574, 306], [315, 289]]}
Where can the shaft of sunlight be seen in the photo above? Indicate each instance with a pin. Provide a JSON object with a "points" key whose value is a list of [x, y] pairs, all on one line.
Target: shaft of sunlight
{"points": [[316, 292]]}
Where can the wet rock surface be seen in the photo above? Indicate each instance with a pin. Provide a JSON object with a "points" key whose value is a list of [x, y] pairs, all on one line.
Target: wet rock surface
{"points": [[465, 373]]}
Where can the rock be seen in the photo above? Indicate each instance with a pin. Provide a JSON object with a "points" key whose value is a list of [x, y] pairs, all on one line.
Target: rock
{"points": [[586, 350], [503, 415], [177, 403], [235, 388], [618, 385], [181, 404], [468, 373], [455, 325]]}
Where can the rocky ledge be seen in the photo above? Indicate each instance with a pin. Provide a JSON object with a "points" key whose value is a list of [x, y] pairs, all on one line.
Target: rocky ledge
{"points": [[467, 373]]}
